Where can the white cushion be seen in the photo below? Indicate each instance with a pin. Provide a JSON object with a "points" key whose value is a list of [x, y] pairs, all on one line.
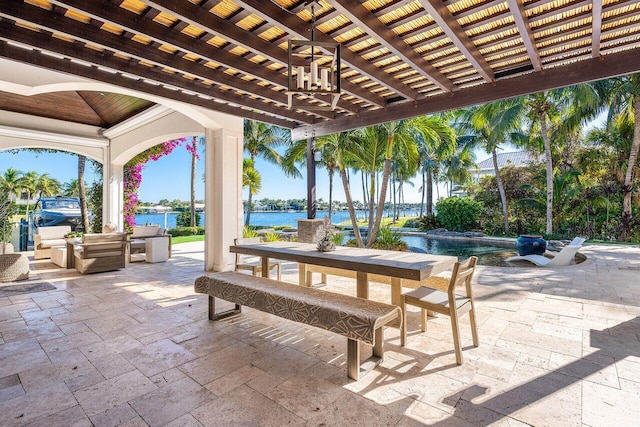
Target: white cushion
{"points": [[146, 231], [50, 243], [55, 232]]}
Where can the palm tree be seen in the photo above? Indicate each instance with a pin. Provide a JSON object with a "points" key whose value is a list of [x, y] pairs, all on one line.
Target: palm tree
{"points": [[261, 140], [28, 183], [372, 149], [328, 146], [82, 192], [457, 168], [10, 182], [47, 186], [436, 143], [554, 115], [624, 99], [488, 126], [251, 177], [70, 189], [193, 150]]}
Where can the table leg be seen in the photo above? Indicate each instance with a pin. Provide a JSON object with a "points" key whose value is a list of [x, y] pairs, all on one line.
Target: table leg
{"points": [[363, 285], [265, 267], [396, 291], [302, 275], [71, 262]]}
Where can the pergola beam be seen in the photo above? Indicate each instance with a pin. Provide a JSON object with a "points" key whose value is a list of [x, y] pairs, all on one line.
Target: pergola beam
{"points": [[39, 59], [456, 34], [195, 15], [298, 27], [596, 22], [114, 15], [520, 18], [611, 65], [372, 25]]}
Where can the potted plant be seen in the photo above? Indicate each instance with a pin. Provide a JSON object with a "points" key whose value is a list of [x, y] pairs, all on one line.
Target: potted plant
{"points": [[7, 210]]}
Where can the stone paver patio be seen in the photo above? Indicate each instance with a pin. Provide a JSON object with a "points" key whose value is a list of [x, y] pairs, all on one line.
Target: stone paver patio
{"points": [[134, 347]]}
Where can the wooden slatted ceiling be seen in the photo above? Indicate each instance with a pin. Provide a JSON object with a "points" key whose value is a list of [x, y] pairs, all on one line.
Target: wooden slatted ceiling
{"points": [[400, 57]]}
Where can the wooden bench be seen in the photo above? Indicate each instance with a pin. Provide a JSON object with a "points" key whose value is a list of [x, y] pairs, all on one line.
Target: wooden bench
{"points": [[358, 319]]}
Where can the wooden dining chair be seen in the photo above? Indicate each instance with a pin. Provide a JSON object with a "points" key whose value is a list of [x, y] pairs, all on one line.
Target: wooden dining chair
{"points": [[253, 264], [445, 302]]}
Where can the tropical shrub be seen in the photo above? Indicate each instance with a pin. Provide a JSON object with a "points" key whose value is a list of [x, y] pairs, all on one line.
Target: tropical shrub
{"points": [[271, 237], [7, 210], [186, 231], [427, 222], [389, 240], [459, 213], [184, 219], [412, 223], [518, 184], [94, 203], [386, 239], [249, 232]]}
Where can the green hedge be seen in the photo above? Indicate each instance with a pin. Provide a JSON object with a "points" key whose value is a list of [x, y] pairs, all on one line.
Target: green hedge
{"points": [[186, 231], [458, 213]]}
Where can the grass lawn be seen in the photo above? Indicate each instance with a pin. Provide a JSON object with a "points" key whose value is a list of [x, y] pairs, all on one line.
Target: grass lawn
{"points": [[187, 239], [385, 221]]}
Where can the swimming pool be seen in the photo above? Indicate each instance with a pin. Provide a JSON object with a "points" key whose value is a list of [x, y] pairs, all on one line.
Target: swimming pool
{"points": [[487, 255]]}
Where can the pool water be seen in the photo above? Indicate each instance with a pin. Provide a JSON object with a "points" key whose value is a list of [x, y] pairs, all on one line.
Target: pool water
{"points": [[487, 255]]}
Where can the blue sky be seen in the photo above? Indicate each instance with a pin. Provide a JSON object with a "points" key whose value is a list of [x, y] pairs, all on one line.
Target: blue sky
{"points": [[169, 177]]}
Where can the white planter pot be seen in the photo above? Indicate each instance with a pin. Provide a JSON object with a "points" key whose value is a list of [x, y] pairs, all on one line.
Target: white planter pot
{"points": [[8, 248]]}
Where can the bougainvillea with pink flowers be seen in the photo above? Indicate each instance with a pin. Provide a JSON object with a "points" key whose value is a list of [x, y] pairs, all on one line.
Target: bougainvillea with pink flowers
{"points": [[133, 176]]}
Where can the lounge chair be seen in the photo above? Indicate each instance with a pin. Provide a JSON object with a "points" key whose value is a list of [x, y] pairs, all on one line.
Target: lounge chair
{"points": [[562, 258]]}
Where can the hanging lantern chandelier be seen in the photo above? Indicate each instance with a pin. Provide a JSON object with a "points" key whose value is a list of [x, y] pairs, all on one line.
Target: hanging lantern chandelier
{"points": [[313, 70]]}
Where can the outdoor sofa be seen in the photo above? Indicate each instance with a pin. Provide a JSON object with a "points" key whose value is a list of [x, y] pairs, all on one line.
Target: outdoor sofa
{"points": [[48, 237], [139, 236], [101, 252]]}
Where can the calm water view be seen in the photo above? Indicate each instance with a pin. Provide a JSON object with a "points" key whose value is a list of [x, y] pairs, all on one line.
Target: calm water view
{"points": [[257, 218]]}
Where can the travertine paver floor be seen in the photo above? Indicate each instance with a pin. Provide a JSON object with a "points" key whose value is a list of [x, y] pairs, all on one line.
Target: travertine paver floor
{"points": [[134, 347]]}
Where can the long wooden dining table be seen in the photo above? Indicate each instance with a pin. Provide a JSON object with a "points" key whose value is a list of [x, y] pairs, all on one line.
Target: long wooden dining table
{"points": [[396, 265]]}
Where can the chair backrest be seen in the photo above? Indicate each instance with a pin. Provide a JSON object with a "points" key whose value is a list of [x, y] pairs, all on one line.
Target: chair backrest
{"points": [[146, 231], [53, 232], [246, 241], [103, 237], [566, 255], [462, 274], [577, 241]]}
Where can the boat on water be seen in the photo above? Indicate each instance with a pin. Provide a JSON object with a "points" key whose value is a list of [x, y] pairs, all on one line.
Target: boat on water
{"points": [[50, 211]]}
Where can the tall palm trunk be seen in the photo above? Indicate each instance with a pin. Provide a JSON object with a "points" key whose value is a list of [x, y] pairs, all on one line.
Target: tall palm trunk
{"points": [[503, 195], [194, 164], [422, 192], [247, 217], [371, 238], [352, 211], [332, 171], [372, 205], [628, 177], [429, 192], [82, 193], [394, 202], [547, 153], [365, 201]]}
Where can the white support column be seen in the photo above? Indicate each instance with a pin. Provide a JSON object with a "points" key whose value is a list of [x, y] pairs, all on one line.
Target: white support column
{"points": [[223, 196], [112, 192]]}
